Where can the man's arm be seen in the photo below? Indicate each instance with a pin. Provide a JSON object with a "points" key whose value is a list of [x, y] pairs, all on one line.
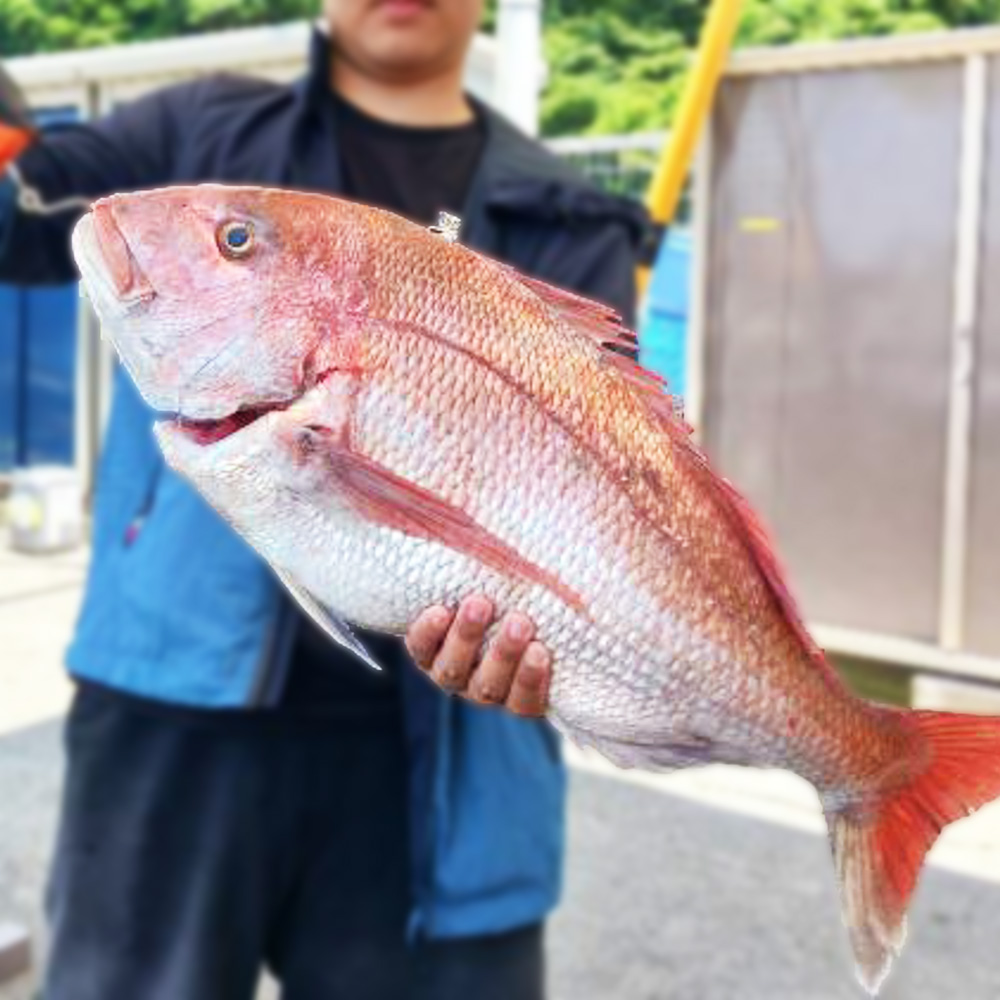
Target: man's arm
{"points": [[607, 272], [599, 261], [135, 146]]}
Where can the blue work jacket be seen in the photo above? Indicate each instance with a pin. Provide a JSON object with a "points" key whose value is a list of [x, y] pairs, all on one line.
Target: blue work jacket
{"points": [[179, 609]]}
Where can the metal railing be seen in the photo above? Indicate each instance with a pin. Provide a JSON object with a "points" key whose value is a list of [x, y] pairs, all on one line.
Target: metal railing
{"points": [[621, 164]]}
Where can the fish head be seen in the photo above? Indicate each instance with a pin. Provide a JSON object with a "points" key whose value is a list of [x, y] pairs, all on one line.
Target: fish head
{"points": [[216, 298], [241, 315]]}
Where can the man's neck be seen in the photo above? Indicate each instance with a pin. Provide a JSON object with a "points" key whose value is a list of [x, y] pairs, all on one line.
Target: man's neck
{"points": [[433, 102]]}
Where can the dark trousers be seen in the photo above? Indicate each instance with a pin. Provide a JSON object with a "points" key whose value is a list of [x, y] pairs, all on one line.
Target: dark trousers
{"points": [[191, 854]]}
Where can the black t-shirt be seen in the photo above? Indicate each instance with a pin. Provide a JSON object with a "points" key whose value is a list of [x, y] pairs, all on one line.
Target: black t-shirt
{"points": [[415, 172]]}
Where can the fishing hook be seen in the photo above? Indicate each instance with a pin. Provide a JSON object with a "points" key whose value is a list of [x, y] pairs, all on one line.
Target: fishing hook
{"points": [[448, 226]]}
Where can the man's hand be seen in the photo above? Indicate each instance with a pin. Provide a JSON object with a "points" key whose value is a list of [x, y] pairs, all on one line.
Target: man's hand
{"points": [[513, 671]]}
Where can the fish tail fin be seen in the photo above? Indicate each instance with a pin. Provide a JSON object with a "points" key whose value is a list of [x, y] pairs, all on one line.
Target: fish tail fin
{"points": [[879, 846]]}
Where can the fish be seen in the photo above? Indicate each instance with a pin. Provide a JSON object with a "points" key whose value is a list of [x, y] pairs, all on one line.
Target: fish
{"points": [[394, 420]]}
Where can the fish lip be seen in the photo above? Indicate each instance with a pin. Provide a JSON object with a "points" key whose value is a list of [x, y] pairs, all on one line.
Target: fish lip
{"points": [[129, 281], [89, 255]]}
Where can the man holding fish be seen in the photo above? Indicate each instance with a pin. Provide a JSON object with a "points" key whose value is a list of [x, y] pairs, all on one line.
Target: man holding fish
{"points": [[239, 791]]}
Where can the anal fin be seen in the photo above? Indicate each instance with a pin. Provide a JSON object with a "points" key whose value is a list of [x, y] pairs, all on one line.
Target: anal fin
{"points": [[327, 619]]}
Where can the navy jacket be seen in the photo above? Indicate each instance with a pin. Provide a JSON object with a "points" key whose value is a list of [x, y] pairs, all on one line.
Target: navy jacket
{"points": [[178, 608]]}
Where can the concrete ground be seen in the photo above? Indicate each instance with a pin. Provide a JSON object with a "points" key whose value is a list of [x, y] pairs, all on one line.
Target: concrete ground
{"points": [[38, 603], [705, 885]]}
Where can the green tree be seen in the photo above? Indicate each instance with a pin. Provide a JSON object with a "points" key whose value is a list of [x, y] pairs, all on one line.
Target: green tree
{"points": [[615, 65], [631, 56]]}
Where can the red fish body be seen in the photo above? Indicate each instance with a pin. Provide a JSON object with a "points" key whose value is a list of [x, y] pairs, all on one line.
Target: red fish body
{"points": [[395, 421]]}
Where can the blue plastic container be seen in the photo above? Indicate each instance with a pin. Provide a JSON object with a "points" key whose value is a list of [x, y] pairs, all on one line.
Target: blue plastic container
{"points": [[664, 323]]}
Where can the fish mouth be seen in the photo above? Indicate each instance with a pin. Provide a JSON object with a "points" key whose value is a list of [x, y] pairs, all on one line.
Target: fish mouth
{"points": [[205, 433]]}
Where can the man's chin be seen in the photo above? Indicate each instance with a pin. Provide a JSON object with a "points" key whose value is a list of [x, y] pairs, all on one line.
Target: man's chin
{"points": [[398, 55]]}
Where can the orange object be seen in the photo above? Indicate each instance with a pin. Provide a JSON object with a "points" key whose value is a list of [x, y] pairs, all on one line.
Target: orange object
{"points": [[16, 131], [14, 140], [692, 113]]}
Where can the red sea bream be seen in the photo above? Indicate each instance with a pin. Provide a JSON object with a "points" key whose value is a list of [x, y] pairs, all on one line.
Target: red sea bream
{"points": [[395, 421]]}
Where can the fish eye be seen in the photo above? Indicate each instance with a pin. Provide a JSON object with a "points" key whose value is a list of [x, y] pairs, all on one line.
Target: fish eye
{"points": [[235, 239]]}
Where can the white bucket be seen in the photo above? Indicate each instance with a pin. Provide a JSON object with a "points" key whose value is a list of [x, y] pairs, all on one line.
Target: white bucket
{"points": [[45, 509]]}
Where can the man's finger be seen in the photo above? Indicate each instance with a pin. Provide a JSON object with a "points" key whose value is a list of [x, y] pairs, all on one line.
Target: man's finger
{"points": [[426, 635], [491, 683], [454, 662], [530, 691]]}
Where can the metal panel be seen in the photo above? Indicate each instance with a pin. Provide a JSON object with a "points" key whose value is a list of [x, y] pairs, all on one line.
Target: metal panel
{"points": [[749, 259], [982, 626], [811, 57], [828, 328], [968, 258]]}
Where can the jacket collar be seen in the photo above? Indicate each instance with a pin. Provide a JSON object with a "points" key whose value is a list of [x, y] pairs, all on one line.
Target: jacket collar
{"points": [[317, 79], [519, 179]]}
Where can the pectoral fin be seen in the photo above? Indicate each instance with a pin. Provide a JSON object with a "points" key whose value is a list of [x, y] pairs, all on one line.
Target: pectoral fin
{"points": [[383, 497], [327, 619]]}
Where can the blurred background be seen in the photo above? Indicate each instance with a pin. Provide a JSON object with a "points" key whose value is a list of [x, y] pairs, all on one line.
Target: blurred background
{"points": [[821, 299]]}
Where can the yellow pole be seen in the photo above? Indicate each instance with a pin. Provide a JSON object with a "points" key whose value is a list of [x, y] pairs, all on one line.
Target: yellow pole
{"points": [[692, 112]]}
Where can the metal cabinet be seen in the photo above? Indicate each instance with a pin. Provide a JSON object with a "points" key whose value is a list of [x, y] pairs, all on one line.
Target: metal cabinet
{"points": [[847, 333]]}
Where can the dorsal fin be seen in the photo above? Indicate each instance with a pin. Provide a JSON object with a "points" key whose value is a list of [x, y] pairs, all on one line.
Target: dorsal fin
{"points": [[599, 322], [603, 326], [762, 550]]}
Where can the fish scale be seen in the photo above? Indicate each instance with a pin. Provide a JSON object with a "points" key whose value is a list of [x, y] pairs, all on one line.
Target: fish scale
{"points": [[395, 421], [635, 709]]}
